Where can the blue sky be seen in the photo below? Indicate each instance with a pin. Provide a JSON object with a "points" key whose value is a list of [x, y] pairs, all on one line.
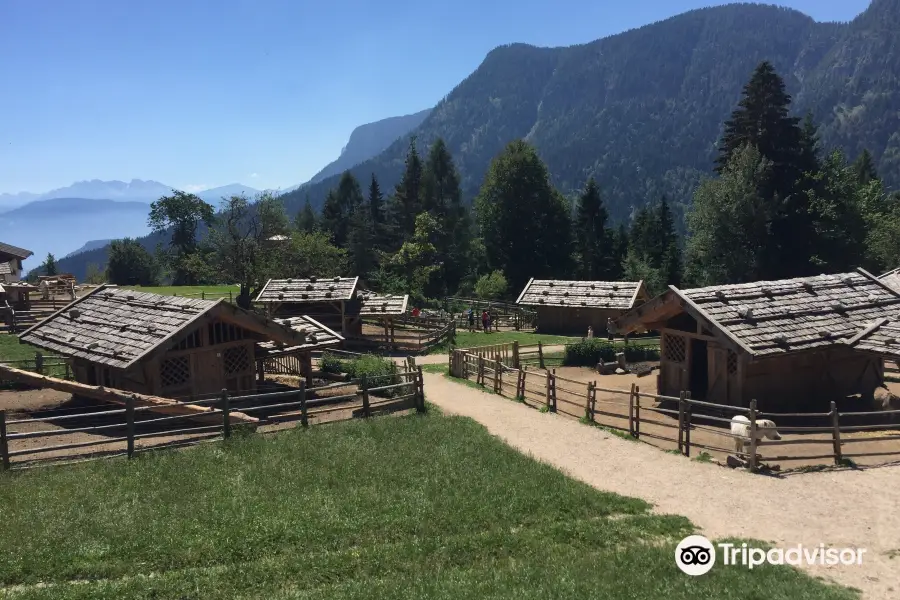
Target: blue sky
{"points": [[202, 93]]}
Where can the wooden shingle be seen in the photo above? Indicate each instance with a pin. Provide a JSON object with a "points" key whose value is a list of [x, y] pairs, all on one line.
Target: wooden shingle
{"points": [[8, 251], [309, 290], [616, 295], [313, 334], [383, 305], [891, 279], [117, 327]]}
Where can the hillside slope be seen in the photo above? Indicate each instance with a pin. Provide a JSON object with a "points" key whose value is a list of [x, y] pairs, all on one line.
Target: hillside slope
{"points": [[369, 140], [642, 111]]}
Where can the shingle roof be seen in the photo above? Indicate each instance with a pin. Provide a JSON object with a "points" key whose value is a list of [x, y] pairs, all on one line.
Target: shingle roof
{"points": [[376, 304], [620, 295], [881, 337], [118, 327], [767, 318], [14, 251], [891, 279], [313, 289], [315, 336]]}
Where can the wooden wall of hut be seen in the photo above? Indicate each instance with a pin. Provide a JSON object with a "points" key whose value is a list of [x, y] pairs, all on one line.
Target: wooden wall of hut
{"points": [[572, 320]]}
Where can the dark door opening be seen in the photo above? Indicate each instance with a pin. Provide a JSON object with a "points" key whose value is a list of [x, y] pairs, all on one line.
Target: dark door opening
{"points": [[699, 369]]}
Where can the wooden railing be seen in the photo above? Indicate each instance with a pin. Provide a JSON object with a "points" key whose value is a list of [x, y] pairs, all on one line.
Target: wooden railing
{"points": [[686, 425], [126, 431]]}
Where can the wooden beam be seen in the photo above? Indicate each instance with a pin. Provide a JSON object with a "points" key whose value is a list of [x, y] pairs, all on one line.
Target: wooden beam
{"points": [[688, 334], [729, 338], [105, 394]]}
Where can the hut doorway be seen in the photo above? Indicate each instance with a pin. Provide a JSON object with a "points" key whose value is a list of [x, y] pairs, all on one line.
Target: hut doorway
{"points": [[699, 369]]}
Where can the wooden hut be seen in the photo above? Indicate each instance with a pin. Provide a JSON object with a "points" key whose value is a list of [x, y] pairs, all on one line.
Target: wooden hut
{"points": [[797, 341], [11, 258], [158, 345], [892, 279], [296, 359], [383, 308], [570, 307], [328, 300]]}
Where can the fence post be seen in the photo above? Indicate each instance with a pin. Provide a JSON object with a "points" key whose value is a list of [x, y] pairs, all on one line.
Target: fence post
{"points": [[515, 355], [587, 403], [480, 379], [68, 369], [637, 411], [38, 363], [304, 418], [681, 423], [553, 390], [688, 414], [364, 389], [226, 415], [4, 442], [631, 411], [751, 462], [129, 420], [547, 399], [836, 434], [541, 355], [230, 299], [420, 389], [498, 376], [203, 294]]}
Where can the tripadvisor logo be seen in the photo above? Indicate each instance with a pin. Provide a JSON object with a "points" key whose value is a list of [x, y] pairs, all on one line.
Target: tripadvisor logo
{"points": [[696, 555]]}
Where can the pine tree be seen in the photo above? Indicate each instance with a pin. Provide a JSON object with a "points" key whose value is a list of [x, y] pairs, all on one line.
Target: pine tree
{"points": [[864, 167], [360, 243], [593, 244], [339, 205], [524, 221], [406, 202], [376, 212], [306, 220], [442, 197], [619, 251]]}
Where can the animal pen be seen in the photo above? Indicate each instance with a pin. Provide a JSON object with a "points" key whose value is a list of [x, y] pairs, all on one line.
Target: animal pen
{"points": [[680, 423], [296, 360], [571, 307], [796, 343], [331, 301]]}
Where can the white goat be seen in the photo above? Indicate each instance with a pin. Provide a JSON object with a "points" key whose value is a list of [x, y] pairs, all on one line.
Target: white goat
{"points": [[740, 429]]}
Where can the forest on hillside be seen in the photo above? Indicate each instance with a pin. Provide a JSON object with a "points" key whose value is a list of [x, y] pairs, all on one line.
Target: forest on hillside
{"points": [[781, 205]]}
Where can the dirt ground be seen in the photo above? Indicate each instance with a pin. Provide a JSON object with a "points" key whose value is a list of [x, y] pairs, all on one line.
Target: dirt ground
{"points": [[846, 508], [660, 429]]}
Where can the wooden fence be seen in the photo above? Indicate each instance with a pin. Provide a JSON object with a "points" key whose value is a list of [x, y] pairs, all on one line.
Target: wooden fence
{"points": [[419, 335], [686, 425], [126, 431]]}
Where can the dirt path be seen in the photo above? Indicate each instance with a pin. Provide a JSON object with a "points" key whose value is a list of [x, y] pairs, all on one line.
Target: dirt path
{"points": [[839, 509]]}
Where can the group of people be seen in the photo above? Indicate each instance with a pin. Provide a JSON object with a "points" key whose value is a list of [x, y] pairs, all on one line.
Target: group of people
{"points": [[487, 320]]}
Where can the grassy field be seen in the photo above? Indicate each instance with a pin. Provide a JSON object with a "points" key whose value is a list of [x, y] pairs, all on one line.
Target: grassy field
{"points": [[11, 349], [190, 290], [467, 339], [411, 507]]}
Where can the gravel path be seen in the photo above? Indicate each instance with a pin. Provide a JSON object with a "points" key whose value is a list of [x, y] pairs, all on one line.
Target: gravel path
{"points": [[840, 509]]}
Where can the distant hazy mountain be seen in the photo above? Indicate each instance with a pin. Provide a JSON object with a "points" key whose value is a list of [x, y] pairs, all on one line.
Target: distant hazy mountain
{"points": [[215, 195], [368, 141], [88, 246], [11, 201], [62, 225]]}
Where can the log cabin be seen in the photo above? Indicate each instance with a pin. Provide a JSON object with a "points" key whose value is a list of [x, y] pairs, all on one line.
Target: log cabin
{"points": [[159, 345], [11, 258], [296, 359], [332, 301], [797, 342], [570, 307]]}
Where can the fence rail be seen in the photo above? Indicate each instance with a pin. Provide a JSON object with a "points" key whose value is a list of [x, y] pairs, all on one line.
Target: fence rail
{"points": [[134, 427], [681, 422]]}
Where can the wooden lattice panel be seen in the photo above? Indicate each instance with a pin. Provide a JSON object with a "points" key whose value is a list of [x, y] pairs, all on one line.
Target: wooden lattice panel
{"points": [[175, 371], [674, 346], [732, 362], [237, 360]]}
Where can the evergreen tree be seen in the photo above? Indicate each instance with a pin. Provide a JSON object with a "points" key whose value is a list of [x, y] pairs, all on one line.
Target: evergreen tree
{"points": [[306, 220], [406, 203], [360, 243], [49, 267], [131, 264], [442, 197], [339, 206], [524, 221], [376, 213], [619, 251], [864, 168], [593, 241]]}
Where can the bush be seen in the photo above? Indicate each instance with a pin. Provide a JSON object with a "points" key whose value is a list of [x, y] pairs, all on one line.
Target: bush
{"points": [[381, 371], [331, 363], [590, 351]]}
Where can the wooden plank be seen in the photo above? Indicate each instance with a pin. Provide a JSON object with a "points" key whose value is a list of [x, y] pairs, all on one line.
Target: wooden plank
{"points": [[161, 405]]}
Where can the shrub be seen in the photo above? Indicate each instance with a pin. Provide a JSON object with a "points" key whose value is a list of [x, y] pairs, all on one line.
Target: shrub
{"points": [[589, 352], [331, 363]]}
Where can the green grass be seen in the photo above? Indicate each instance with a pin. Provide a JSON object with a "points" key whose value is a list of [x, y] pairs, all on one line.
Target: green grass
{"points": [[11, 349], [190, 290], [410, 507]]}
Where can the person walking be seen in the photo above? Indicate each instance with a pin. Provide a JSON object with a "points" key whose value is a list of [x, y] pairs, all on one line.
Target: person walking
{"points": [[489, 322], [484, 320], [471, 319]]}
